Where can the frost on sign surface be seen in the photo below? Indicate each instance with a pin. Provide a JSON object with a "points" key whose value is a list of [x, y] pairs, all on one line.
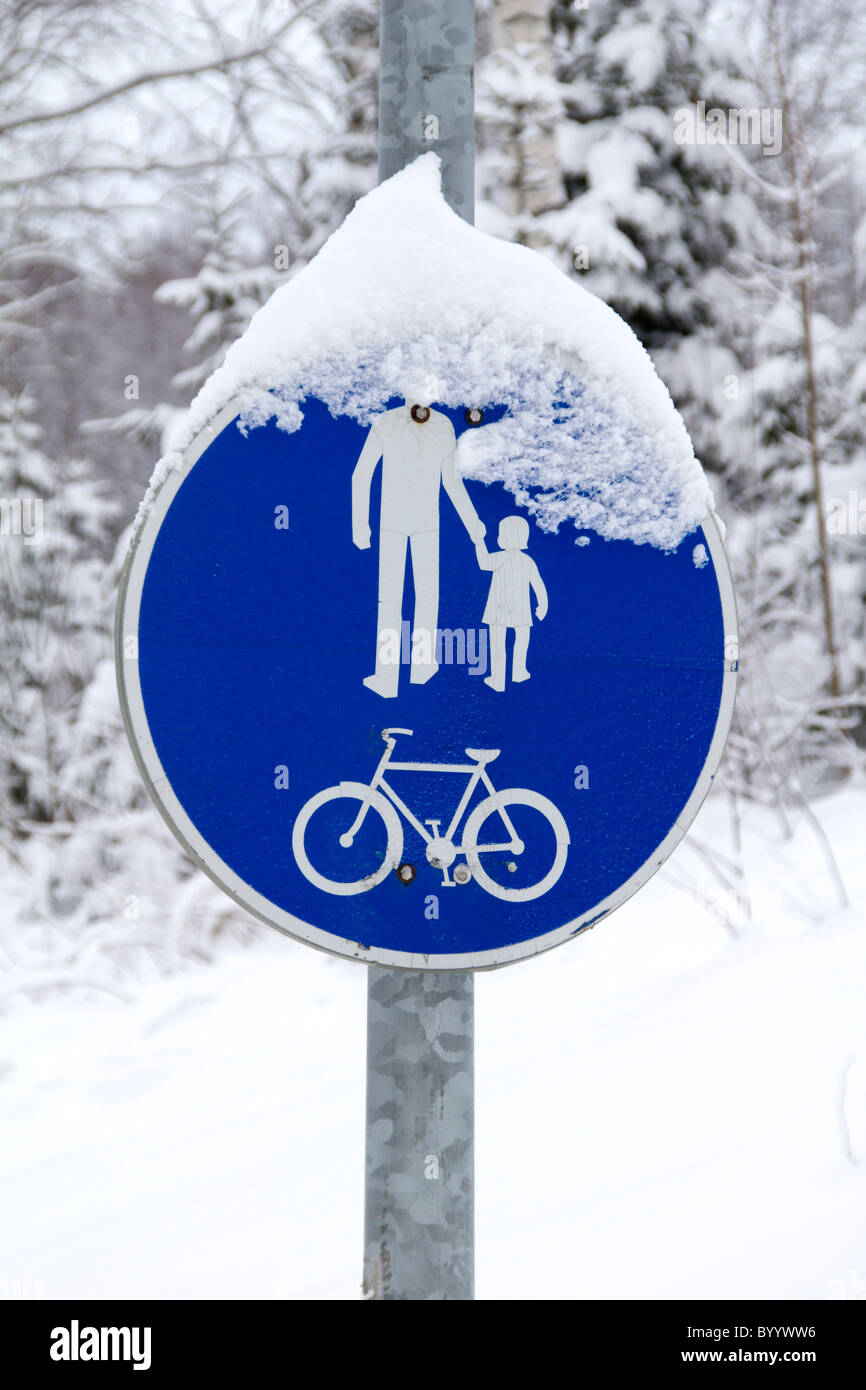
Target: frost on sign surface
{"points": [[406, 296]]}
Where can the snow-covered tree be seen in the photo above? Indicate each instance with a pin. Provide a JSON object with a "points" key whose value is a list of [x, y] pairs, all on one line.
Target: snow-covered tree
{"points": [[55, 519], [95, 883], [219, 300], [518, 105], [650, 217], [799, 404], [225, 293], [337, 163]]}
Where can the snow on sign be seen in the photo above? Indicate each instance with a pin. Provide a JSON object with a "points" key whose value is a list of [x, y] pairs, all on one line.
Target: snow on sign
{"points": [[427, 642]]}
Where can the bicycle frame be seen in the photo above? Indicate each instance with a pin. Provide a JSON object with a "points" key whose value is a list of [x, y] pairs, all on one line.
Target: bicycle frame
{"points": [[476, 772]]}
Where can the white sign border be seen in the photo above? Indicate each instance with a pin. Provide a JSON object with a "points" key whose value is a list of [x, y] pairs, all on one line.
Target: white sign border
{"points": [[160, 788]]}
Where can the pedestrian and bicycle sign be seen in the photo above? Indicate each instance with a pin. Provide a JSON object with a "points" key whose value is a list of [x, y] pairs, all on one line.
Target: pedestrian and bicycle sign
{"points": [[392, 715]]}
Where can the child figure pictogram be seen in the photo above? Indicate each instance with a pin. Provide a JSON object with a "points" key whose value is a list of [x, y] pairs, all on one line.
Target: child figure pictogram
{"points": [[514, 575]]}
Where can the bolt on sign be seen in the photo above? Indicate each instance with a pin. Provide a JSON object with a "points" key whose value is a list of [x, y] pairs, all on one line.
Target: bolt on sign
{"points": [[426, 641]]}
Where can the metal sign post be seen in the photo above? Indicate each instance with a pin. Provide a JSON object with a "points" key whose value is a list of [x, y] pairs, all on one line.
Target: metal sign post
{"points": [[427, 92], [419, 1196]]}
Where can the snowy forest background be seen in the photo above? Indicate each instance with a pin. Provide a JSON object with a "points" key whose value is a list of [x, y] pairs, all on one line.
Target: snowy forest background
{"points": [[163, 169]]}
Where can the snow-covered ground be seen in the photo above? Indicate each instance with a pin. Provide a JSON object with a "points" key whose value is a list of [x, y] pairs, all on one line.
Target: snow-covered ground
{"points": [[660, 1107]]}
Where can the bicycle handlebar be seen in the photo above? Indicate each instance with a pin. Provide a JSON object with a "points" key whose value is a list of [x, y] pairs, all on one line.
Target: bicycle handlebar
{"points": [[388, 734]]}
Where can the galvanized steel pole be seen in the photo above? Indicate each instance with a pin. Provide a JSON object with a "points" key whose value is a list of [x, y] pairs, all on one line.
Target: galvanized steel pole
{"points": [[419, 1210], [419, 1204], [427, 92]]}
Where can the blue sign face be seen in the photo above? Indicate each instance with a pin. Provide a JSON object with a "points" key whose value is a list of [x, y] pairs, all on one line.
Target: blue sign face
{"points": [[395, 718]]}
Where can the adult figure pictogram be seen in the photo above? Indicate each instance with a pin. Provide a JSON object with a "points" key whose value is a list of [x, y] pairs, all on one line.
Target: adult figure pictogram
{"points": [[417, 447]]}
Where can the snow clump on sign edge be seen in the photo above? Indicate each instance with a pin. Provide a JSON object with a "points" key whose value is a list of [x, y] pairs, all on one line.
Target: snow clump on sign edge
{"points": [[406, 296]]}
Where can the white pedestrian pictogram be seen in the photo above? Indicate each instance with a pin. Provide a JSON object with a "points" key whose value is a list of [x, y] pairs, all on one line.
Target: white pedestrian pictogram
{"points": [[493, 851], [417, 447], [515, 574]]}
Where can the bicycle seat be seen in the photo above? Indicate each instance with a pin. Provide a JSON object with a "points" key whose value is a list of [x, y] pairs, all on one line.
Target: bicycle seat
{"points": [[483, 755]]}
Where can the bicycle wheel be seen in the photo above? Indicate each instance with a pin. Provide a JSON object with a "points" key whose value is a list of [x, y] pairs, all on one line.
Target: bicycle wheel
{"points": [[500, 868], [320, 831]]}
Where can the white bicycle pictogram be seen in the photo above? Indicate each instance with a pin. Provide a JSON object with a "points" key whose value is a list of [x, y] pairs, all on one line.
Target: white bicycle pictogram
{"points": [[490, 862]]}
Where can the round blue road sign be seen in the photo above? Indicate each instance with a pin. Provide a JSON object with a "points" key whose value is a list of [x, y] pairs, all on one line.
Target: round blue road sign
{"points": [[394, 717]]}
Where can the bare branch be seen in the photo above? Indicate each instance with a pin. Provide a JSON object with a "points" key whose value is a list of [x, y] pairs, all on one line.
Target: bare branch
{"points": [[215, 63]]}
